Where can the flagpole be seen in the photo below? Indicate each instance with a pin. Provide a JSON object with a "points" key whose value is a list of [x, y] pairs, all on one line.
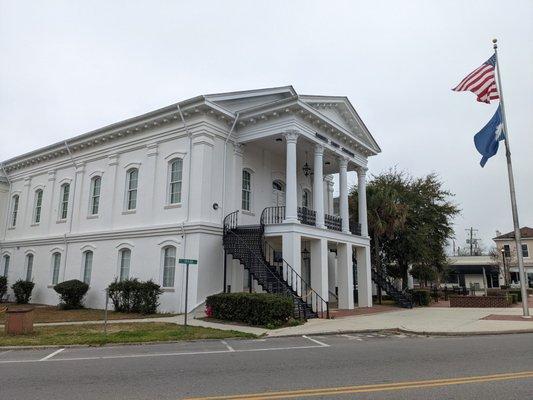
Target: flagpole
{"points": [[518, 239]]}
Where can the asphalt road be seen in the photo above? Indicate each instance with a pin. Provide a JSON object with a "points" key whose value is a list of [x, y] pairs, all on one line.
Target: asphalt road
{"points": [[365, 366]]}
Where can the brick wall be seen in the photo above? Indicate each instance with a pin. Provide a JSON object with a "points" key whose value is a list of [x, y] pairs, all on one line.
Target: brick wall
{"points": [[479, 301]]}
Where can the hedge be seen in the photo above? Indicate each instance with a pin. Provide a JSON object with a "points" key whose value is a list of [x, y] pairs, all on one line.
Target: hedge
{"points": [[251, 308], [22, 290], [71, 293], [421, 296], [132, 295]]}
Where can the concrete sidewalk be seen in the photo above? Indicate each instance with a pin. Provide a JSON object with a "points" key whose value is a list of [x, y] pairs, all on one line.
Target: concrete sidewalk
{"points": [[418, 320]]}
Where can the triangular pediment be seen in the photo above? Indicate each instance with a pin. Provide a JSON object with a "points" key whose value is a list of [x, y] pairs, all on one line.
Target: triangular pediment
{"points": [[340, 111], [239, 101]]}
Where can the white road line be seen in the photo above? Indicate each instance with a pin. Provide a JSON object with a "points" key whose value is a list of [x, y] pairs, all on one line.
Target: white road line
{"points": [[5, 352], [49, 356], [165, 354], [227, 345], [316, 341], [352, 338]]}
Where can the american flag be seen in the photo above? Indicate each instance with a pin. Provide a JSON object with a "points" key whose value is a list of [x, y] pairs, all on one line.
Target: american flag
{"points": [[481, 81]]}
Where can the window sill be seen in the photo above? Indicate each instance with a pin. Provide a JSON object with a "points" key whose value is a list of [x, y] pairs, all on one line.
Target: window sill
{"points": [[61, 221], [168, 206], [169, 289], [50, 286], [127, 212], [11, 228], [93, 216], [246, 212], [35, 224]]}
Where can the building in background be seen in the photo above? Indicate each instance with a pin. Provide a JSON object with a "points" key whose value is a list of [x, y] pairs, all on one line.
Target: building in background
{"points": [[506, 250]]}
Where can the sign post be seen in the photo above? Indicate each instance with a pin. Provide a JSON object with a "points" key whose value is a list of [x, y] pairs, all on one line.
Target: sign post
{"points": [[187, 262]]}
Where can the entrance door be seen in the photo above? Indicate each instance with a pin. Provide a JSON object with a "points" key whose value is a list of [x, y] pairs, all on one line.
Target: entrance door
{"points": [[278, 193]]}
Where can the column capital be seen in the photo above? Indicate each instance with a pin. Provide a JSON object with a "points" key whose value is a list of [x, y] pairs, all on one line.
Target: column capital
{"points": [[238, 149], [361, 171], [291, 135], [343, 162], [319, 150], [112, 159]]}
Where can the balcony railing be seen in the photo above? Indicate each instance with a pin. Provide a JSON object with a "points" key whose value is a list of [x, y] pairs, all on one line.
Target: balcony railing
{"points": [[306, 216], [355, 228], [333, 222]]}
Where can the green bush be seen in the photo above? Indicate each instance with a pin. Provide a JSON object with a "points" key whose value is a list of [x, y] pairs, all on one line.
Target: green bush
{"points": [[517, 293], [252, 308], [3, 287], [513, 297], [421, 296], [132, 295], [71, 293], [22, 290], [496, 292]]}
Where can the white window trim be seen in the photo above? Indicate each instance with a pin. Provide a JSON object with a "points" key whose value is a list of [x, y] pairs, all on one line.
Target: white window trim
{"points": [[34, 216], [527, 250], [170, 161], [61, 194], [52, 263], [91, 196], [12, 210], [3, 265], [28, 254], [162, 266], [120, 248], [252, 187], [127, 190], [83, 265]]}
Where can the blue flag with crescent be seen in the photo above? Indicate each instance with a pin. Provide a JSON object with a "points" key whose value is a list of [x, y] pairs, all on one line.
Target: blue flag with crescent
{"points": [[486, 140]]}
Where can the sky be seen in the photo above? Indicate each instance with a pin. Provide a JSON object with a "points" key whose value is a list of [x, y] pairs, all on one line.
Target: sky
{"points": [[68, 67]]}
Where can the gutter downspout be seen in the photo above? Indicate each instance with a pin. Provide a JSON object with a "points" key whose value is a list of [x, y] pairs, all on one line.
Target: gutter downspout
{"points": [[8, 202], [224, 166], [71, 209]]}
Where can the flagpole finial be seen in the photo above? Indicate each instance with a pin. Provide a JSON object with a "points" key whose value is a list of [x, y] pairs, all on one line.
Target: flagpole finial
{"points": [[495, 41]]}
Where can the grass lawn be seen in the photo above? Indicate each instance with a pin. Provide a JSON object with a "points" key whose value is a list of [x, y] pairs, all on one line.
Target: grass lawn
{"points": [[92, 334], [54, 314]]}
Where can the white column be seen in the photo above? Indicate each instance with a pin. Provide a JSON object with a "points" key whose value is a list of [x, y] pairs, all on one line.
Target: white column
{"points": [[27, 213], [343, 182], [345, 275], [292, 253], [51, 205], [109, 190], [319, 268], [361, 189], [200, 207], [332, 271], [150, 172], [364, 279], [318, 186], [291, 197], [77, 207], [328, 180], [237, 177], [237, 276]]}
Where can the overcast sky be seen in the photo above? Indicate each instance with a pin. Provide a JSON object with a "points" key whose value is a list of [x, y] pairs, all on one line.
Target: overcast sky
{"points": [[68, 67]]}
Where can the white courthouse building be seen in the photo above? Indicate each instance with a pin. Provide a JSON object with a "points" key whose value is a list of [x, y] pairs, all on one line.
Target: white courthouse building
{"points": [[242, 182]]}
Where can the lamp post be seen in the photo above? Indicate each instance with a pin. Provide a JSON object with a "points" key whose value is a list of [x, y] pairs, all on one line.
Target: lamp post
{"points": [[506, 281]]}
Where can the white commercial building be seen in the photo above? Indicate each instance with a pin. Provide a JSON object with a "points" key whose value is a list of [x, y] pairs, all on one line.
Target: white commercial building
{"points": [[130, 199]]}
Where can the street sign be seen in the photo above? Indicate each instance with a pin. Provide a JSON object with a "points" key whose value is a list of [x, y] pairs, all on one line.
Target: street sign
{"points": [[187, 261]]}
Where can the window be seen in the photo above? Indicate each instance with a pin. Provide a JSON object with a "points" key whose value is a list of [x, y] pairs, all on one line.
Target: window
{"points": [[7, 259], [14, 210], [125, 257], [87, 266], [506, 250], [94, 202], [176, 169], [38, 206], [132, 177], [63, 207], [278, 185], [246, 190], [56, 265], [525, 251], [169, 266], [306, 199], [29, 267]]}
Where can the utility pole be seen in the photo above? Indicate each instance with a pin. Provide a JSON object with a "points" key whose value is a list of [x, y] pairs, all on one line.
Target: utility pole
{"points": [[472, 241]]}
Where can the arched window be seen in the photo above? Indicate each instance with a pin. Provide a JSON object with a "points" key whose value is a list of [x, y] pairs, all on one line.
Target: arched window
{"points": [[125, 258], [306, 198], [64, 195], [14, 210], [38, 206], [175, 180], [29, 267], [169, 266], [56, 265], [278, 185], [246, 190], [87, 266], [7, 260], [132, 176], [94, 200]]}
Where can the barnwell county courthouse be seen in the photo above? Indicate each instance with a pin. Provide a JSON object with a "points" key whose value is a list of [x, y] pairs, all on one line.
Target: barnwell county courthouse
{"points": [[243, 182]]}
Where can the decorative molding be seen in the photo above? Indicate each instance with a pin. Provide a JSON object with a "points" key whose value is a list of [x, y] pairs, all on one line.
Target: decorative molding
{"points": [[112, 159], [291, 135], [176, 154], [96, 173], [132, 165]]}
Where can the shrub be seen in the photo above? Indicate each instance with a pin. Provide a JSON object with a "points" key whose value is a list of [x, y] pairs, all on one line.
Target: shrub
{"points": [[132, 295], [421, 296], [252, 308], [517, 293], [22, 290], [496, 292], [3, 287], [71, 293]]}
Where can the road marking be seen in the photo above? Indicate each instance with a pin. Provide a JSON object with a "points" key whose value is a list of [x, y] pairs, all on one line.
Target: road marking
{"points": [[5, 352], [49, 356], [373, 388], [316, 341], [231, 349], [352, 337]]}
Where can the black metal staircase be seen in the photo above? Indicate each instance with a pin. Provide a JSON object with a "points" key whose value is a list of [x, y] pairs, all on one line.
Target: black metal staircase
{"points": [[401, 297], [247, 243]]}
